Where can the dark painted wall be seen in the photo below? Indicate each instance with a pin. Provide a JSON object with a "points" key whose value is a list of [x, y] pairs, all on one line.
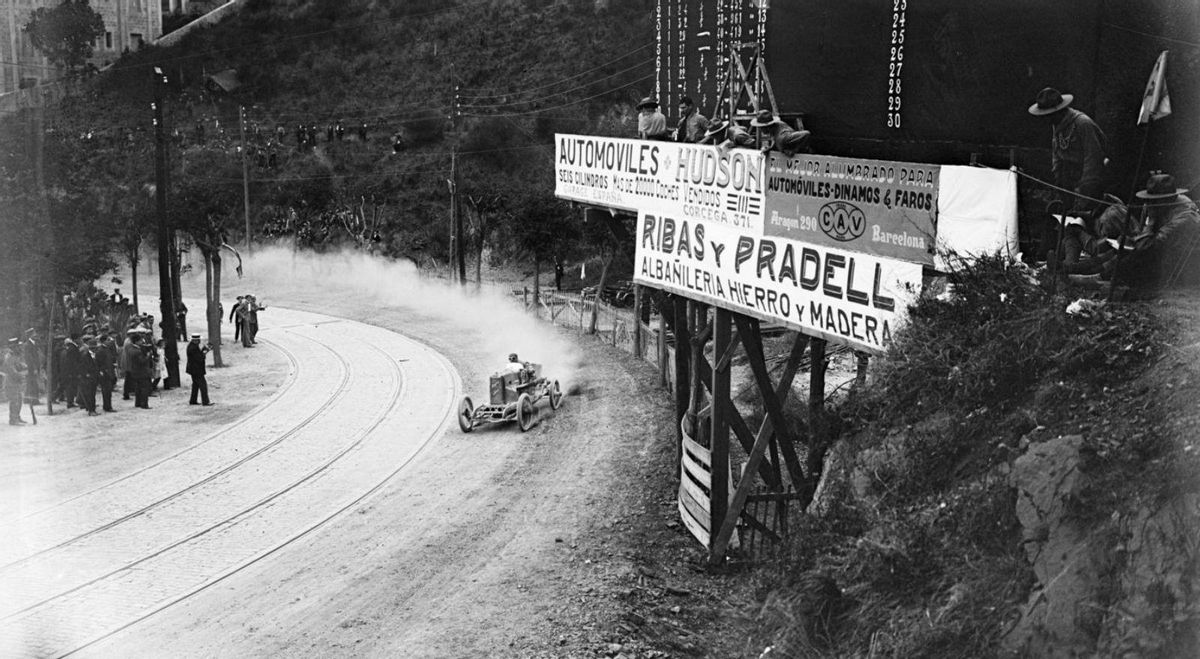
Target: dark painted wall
{"points": [[970, 71]]}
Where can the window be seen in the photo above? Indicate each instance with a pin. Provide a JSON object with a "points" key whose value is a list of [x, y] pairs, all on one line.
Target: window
{"points": [[108, 40], [136, 39]]}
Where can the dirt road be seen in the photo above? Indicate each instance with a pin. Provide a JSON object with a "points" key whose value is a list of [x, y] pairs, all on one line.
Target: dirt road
{"points": [[496, 543]]}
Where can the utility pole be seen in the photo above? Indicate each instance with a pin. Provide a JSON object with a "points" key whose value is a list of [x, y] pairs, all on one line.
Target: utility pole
{"points": [[38, 132], [457, 249], [166, 289], [453, 184], [245, 174]]}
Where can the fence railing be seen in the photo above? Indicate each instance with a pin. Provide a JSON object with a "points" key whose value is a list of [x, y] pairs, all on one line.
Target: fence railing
{"points": [[615, 326]]}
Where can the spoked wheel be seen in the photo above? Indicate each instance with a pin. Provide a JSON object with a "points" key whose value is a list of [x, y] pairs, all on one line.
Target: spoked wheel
{"points": [[466, 410], [526, 414], [555, 395]]}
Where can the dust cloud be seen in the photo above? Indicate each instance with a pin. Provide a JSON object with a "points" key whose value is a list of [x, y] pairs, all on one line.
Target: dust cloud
{"points": [[490, 314]]}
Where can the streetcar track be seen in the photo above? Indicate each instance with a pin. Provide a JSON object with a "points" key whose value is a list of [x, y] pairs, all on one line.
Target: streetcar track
{"points": [[292, 376], [399, 386], [337, 395], [447, 417], [397, 390]]}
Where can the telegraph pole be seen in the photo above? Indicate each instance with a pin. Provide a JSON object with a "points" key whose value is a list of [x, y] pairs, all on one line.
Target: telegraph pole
{"points": [[457, 249], [245, 175], [166, 289]]}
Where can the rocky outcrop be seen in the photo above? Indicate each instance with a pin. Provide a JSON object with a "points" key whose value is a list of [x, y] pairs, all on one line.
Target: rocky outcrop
{"points": [[1114, 585], [1158, 587], [1061, 617]]}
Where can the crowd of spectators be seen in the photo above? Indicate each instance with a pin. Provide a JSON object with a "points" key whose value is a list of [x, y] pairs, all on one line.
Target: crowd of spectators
{"points": [[102, 346]]}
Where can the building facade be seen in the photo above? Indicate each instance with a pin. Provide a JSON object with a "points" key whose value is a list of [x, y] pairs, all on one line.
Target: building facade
{"points": [[128, 25]]}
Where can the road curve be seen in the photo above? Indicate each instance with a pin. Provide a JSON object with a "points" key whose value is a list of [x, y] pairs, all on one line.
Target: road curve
{"points": [[360, 403]]}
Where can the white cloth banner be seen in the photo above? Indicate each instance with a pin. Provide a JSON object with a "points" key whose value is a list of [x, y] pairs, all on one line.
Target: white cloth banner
{"points": [[977, 212]]}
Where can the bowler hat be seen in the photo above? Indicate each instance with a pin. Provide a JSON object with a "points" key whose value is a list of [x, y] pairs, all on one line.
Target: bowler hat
{"points": [[1049, 101], [1160, 186], [764, 118], [647, 102]]}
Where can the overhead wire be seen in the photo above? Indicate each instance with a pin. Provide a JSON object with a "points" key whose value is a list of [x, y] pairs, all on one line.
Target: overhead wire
{"points": [[561, 92], [567, 104], [559, 81]]}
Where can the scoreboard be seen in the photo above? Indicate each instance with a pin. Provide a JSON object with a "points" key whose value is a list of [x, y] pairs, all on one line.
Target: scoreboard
{"points": [[940, 80]]}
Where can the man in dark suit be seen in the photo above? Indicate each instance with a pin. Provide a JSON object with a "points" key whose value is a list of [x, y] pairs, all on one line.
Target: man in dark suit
{"points": [[69, 370], [235, 318], [106, 363], [141, 367], [88, 374], [195, 368]]}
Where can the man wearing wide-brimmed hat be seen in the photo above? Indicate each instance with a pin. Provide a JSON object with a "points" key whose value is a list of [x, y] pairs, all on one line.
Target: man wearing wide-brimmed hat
{"points": [[726, 135], [1076, 150], [652, 125], [783, 138], [1167, 250]]}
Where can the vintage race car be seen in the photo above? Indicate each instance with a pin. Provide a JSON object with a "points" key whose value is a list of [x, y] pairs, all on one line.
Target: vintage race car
{"points": [[514, 397]]}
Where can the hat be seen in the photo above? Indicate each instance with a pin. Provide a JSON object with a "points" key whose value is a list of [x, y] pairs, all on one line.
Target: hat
{"points": [[1160, 186], [764, 118], [1049, 101], [14, 341], [717, 127], [195, 335], [647, 102], [30, 331], [88, 338]]}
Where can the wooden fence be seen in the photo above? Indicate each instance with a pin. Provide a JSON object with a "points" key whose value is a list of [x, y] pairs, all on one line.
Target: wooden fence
{"points": [[614, 326]]}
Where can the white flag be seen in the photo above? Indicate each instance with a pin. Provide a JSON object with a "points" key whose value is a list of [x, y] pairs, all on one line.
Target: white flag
{"points": [[1156, 103]]}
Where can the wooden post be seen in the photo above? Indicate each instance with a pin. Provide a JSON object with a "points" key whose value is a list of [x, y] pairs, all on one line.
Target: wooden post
{"points": [[696, 383], [683, 355], [166, 286], [719, 425], [637, 321], [50, 383], [860, 375], [662, 340], [816, 391], [245, 175]]}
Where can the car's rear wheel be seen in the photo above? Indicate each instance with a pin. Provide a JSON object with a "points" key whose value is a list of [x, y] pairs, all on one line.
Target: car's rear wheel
{"points": [[555, 395], [466, 410], [526, 413]]}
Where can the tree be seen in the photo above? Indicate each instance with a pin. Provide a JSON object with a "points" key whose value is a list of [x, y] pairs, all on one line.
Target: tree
{"points": [[65, 34], [203, 205], [540, 227]]}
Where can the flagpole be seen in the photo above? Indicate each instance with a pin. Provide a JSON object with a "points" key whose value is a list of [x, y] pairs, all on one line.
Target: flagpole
{"points": [[1156, 104], [1137, 170]]}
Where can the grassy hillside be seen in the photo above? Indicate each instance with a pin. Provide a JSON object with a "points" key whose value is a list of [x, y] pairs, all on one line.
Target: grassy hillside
{"points": [[511, 73]]}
